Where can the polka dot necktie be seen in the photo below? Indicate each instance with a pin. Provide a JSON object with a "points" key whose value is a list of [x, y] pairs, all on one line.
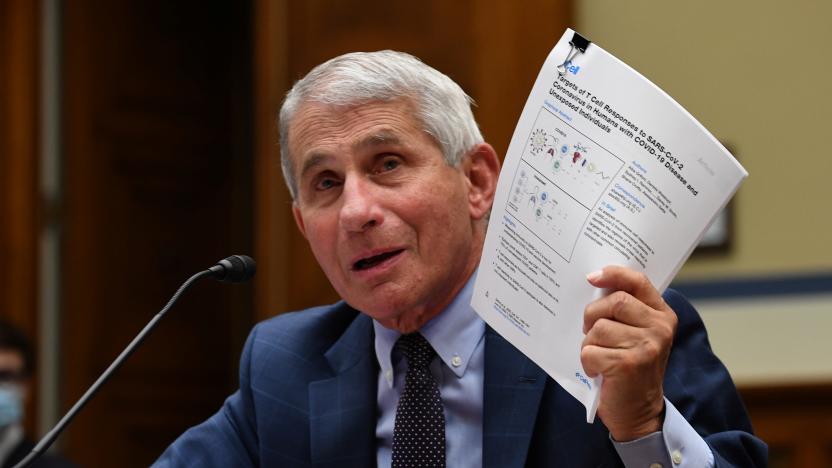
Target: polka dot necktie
{"points": [[419, 431]]}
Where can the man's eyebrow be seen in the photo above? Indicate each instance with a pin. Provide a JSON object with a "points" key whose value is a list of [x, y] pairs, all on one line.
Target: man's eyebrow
{"points": [[314, 159], [383, 137]]}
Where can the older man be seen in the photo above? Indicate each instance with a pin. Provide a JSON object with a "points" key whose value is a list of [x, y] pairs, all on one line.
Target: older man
{"points": [[392, 186]]}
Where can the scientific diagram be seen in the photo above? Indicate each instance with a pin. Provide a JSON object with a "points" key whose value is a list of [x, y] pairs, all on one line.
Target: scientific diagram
{"points": [[547, 211], [569, 159], [561, 176]]}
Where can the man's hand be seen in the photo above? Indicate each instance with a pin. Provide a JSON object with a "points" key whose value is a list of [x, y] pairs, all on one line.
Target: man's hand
{"points": [[628, 338]]}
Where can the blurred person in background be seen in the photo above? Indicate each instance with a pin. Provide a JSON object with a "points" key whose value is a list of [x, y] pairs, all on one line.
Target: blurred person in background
{"points": [[17, 364]]}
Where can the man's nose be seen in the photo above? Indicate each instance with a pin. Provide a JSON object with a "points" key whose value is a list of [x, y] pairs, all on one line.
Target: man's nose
{"points": [[360, 210]]}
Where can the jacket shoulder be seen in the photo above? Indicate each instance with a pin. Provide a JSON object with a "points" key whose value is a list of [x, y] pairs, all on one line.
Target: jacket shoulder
{"points": [[307, 332]]}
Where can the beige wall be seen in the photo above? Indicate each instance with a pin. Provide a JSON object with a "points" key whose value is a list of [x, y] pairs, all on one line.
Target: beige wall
{"points": [[757, 74], [772, 340]]}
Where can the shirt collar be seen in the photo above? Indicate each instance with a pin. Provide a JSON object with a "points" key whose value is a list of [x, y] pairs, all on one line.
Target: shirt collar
{"points": [[454, 334]]}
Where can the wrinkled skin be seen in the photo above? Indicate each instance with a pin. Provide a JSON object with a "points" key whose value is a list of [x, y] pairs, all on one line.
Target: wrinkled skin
{"points": [[371, 185]]}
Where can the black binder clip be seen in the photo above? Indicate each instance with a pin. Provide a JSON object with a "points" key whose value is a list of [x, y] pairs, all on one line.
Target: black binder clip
{"points": [[579, 44]]}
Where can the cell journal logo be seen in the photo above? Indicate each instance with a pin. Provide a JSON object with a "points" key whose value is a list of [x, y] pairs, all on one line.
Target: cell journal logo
{"points": [[583, 379], [573, 69]]}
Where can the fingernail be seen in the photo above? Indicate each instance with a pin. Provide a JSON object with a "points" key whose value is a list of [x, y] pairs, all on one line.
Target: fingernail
{"points": [[594, 276]]}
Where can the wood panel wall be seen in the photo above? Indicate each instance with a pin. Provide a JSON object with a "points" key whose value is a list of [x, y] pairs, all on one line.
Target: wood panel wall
{"points": [[158, 171], [19, 199], [795, 421]]}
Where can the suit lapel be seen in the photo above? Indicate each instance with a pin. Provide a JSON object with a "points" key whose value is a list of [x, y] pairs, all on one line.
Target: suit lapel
{"points": [[513, 389], [342, 409]]}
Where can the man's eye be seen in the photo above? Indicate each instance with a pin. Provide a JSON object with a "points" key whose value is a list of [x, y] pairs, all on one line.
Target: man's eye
{"points": [[389, 164], [326, 183]]}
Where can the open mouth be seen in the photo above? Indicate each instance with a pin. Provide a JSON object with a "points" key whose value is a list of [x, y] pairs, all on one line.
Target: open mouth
{"points": [[370, 262]]}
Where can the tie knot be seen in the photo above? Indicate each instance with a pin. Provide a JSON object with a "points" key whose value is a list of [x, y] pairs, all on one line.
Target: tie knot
{"points": [[416, 350]]}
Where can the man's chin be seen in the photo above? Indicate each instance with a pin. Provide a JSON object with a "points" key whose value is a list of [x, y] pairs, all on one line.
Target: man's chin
{"points": [[383, 311], [404, 314], [385, 307]]}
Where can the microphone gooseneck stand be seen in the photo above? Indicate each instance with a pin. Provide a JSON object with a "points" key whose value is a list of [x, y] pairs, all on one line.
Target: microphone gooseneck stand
{"points": [[237, 268]]}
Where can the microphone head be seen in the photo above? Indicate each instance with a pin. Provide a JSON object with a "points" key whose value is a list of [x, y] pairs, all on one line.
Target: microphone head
{"points": [[234, 269]]}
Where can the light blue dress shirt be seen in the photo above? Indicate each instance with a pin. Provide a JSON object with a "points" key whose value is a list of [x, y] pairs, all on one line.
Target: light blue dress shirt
{"points": [[457, 335]]}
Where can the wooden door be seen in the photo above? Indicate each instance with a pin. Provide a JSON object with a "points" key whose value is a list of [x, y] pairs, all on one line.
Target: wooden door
{"points": [[20, 214], [157, 186]]}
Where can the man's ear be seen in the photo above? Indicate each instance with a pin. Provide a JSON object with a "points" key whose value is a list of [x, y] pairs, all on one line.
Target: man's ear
{"points": [[482, 169], [298, 218]]}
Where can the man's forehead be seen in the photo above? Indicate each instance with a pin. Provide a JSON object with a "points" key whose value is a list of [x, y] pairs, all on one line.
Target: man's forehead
{"points": [[316, 113], [318, 129]]}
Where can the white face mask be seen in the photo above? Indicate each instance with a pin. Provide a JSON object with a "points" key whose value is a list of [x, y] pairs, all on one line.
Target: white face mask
{"points": [[11, 405]]}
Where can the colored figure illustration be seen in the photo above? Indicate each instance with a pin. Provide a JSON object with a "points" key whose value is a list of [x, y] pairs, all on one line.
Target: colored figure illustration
{"points": [[562, 175], [533, 196]]}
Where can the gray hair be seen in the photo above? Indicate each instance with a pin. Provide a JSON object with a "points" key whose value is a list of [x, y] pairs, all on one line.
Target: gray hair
{"points": [[443, 108]]}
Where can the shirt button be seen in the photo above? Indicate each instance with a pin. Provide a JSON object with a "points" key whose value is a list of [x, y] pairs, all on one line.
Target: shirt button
{"points": [[389, 376], [656, 465], [456, 361], [676, 456]]}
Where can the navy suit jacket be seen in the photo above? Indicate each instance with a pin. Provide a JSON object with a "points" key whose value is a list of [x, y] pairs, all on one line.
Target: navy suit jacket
{"points": [[307, 398]]}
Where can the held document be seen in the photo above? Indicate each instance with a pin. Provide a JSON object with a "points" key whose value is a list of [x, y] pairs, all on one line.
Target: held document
{"points": [[603, 168]]}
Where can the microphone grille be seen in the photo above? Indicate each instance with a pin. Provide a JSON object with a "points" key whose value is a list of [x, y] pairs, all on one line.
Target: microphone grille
{"points": [[238, 268]]}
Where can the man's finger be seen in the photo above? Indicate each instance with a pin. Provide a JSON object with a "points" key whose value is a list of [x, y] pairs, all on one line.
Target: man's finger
{"points": [[612, 334], [619, 306], [598, 360], [618, 278]]}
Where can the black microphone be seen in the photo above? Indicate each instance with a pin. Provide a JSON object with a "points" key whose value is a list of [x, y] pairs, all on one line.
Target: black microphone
{"points": [[234, 269]]}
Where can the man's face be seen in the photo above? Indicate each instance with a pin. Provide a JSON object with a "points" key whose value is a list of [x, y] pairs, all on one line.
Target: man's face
{"points": [[11, 363], [11, 370], [387, 218]]}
